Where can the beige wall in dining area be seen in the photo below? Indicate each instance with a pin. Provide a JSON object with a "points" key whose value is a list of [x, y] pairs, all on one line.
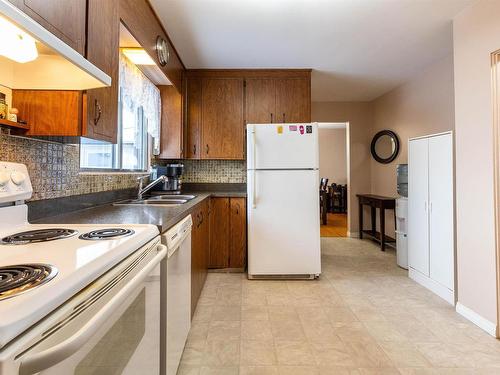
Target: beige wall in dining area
{"points": [[333, 155], [359, 116], [422, 106], [476, 35]]}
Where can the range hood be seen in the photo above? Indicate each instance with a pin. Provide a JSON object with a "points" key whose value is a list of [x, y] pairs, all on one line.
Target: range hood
{"points": [[57, 66]]}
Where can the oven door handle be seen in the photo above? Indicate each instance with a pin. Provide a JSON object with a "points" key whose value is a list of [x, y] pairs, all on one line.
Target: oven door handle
{"points": [[32, 364]]}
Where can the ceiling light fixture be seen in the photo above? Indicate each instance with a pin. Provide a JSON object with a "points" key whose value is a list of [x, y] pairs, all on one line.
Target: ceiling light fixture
{"points": [[16, 44], [138, 56]]}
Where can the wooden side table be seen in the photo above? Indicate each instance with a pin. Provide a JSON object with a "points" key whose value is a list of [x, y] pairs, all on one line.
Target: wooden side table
{"points": [[382, 203]]}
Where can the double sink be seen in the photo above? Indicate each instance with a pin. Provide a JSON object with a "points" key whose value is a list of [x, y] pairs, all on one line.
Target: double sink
{"points": [[158, 200]]}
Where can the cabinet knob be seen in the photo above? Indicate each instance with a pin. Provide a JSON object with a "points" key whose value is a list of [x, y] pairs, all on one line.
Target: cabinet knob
{"points": [[284, 118], [207, 149], [194, 149], [97, 112], [271, 118]]}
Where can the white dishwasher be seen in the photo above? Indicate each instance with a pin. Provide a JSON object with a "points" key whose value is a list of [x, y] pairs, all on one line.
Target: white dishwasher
{"points": [[178, 299]]}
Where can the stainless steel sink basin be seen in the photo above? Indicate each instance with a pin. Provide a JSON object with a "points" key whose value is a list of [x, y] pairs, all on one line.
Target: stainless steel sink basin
{"points": [[187, 197], [151, 202]]}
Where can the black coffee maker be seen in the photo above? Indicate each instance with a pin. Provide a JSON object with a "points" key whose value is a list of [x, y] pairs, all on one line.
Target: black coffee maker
{"points": [[174, 173]]}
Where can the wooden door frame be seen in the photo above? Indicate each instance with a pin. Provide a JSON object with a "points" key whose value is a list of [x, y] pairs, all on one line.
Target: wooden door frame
{"points": [[495, 85]]}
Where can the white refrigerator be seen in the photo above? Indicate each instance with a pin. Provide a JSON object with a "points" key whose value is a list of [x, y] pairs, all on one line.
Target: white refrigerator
{"points": [[283, 201]]}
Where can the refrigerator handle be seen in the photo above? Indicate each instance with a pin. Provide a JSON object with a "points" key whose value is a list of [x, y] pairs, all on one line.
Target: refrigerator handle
{"points": [[254, 158]]}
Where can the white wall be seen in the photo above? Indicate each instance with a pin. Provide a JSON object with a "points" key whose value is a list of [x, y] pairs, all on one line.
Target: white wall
{"points": [[476, 33], [333, 155]]}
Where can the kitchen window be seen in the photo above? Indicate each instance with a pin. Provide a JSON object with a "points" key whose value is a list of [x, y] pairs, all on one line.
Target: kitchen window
{"points": [[138, 126]]}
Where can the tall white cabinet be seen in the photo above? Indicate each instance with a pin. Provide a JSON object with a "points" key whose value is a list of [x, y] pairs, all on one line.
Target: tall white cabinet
{"points": [[431, 249]]}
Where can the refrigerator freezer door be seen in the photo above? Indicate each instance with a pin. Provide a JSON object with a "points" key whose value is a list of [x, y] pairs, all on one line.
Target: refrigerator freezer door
{"points": [[283, 223], [282, 146]]}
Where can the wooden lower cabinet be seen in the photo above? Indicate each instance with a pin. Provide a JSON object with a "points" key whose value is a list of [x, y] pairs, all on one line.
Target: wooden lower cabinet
{"points": [[199, 252], [228, 233]]}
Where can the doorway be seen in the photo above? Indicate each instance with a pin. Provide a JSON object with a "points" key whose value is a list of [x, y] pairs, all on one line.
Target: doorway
{"points": [[334, 172]]}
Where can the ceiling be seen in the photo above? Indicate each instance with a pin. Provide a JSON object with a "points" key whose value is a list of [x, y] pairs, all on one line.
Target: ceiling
{"points": [[358, 49]]}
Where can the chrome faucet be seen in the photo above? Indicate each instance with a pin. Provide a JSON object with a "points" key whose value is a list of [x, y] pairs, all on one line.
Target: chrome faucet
{"points": [[143, 190]]}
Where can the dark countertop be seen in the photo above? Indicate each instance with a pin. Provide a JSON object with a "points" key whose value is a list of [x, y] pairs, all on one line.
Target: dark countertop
{"points": [[163, 216]]}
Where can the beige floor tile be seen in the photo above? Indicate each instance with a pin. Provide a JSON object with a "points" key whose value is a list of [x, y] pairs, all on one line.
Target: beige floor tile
{"points": [[188, 370], [219, 371], [404, 354], [334, 370], [368, 354], [224, 330], [283, 313], [256, 330], [445, 355], [363, 316], [192, 357], [254, 313], [332, 355], [226, 313], [298, 370], [203, 314], [384, 331], [296, 353], [340, 315], [257, 353], [259, 370], [287, 330], [222, 353], [320, 332], [254, 300], [311, 314]]}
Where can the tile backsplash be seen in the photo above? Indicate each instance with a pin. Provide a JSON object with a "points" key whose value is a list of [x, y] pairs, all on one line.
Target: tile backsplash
{"points": [[212, 171], [55, 168]]}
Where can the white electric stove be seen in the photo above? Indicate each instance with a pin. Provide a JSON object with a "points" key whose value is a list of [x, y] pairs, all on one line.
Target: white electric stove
{"points": [[65, 290]]}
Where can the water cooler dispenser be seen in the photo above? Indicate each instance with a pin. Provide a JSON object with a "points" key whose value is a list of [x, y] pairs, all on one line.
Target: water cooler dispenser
{"points": [[402, 216]]}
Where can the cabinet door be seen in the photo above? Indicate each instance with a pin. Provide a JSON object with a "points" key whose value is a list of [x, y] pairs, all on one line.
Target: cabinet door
{"points": [[103, 50], [65, 19], [222, 132], [293, 100], [260, 101], [39, 108], [418, 198], [238, 233], [171, 141], [193, 118], [196, 254], [441, 236], [219, 233], [204, 242]]}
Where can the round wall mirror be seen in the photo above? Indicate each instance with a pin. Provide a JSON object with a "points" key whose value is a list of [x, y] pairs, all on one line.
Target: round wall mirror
{"points": [[385, 146]]}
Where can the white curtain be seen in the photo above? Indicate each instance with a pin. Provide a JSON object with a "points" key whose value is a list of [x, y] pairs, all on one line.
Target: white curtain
{"points": [[139, 91]]}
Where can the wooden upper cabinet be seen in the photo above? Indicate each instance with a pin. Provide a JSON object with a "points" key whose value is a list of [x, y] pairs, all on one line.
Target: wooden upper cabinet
{"points": [[65, 19], [193, 118], [94, 113], [260, 101], [222, 122], [171, 134], [218, 104], [293, 100], [49, 112], [103, 34]]}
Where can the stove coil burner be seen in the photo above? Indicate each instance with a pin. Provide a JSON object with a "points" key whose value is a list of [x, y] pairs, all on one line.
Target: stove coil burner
{"points": [[106, 234], [38, 235], [20, 278]]}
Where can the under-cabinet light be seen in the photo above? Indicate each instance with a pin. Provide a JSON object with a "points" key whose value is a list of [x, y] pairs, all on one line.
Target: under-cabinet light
{"points": [[15, 44], [138, 56]]}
